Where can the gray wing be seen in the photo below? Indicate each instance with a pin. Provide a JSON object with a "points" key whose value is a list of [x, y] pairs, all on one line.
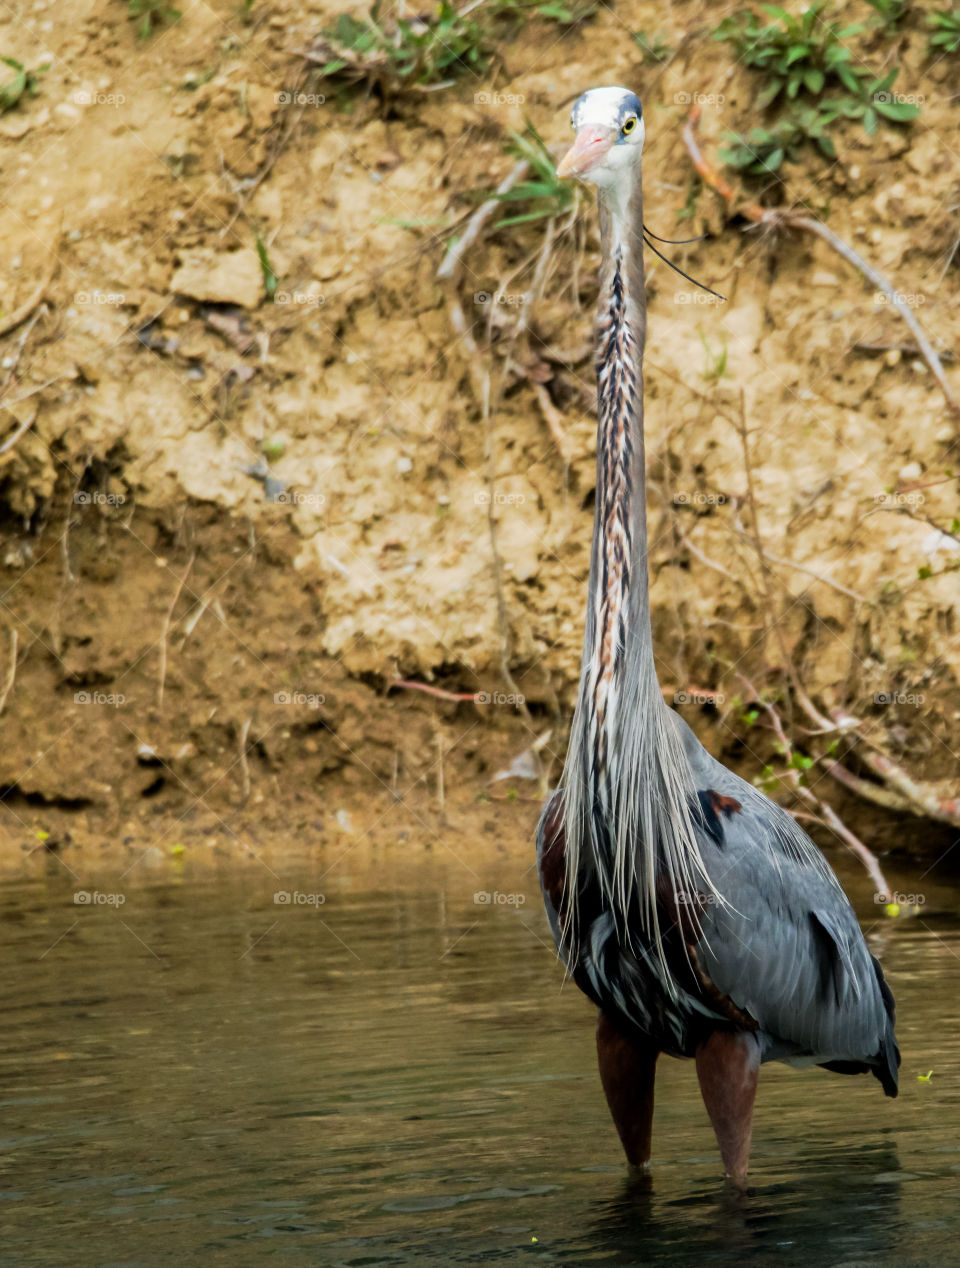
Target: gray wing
{"points": [[785, 944]]}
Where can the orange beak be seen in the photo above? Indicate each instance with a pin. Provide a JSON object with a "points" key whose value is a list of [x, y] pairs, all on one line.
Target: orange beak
{"points": [[590, 147]]}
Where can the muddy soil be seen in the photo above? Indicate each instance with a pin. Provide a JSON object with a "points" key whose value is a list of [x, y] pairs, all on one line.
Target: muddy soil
{"points": [[231, 526]]}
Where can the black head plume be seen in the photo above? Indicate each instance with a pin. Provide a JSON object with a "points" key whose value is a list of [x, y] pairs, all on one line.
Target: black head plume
{"points": [[676, 242]]}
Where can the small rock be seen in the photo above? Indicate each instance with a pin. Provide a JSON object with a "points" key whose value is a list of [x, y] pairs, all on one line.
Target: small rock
{"points": [[404, 465], [344, 822], [16, 126], [945, 435], [824, 278], [912, 471], [226, 277]]}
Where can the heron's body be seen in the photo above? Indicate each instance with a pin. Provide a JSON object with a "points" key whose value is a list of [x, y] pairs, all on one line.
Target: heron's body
{"points": [[692, 910]]}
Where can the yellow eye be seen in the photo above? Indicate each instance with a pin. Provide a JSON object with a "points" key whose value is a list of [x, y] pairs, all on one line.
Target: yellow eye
{"points": [[628, 127]]}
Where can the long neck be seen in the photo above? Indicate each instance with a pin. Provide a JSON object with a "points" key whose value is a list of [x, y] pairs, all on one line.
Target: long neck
{"points": [[618, 603], [627, 785]]}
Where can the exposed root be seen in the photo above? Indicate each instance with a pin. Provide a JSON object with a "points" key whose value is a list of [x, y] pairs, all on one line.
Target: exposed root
{"points": [[455, 696], [36, 297]]}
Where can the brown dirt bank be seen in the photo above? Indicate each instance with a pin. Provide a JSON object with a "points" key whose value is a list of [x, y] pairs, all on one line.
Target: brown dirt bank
{"points": [[142, 561]]}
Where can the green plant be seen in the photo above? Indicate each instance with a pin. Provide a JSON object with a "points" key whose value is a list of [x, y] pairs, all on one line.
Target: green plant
{"points": [[689, 208], [653, 48], [715, 362], [422, 51], [565, 14], [803, 59], [266, 268], [761, 150], [797, 55], [944, 27], [890, 12], [543, 191], [152, 14], [25, 83]]}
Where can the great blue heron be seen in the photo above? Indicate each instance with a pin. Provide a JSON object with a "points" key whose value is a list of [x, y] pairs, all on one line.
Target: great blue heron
{"points": [[693, 911]]}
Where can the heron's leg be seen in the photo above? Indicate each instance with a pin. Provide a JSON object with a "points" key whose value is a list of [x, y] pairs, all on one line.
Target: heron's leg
{"points": [[727, 1065], [627, 1070]]}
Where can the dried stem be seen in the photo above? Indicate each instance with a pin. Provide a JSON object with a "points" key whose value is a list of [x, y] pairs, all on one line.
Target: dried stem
{"points": [[11, 672], [244, 764], [825, 813], [166, 631]]}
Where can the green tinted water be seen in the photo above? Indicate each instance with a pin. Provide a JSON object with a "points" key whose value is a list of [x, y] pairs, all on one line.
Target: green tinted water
{"points": [[395, 1077]]}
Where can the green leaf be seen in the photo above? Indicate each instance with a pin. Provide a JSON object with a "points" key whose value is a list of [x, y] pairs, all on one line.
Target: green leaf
{"points": [[898, 111], [266, 268], [766, 95], [814, 80]]}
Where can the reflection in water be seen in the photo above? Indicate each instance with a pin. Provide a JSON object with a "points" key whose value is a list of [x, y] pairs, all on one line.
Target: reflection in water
{"points": [[398, 1077], [846, 1204]]}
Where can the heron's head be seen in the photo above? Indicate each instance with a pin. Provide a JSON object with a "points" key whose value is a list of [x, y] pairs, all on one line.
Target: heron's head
{"points": [[609, 127]]}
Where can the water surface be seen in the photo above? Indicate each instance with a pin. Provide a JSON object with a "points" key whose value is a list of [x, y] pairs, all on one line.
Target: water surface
{"points": [[398, 1075]]}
